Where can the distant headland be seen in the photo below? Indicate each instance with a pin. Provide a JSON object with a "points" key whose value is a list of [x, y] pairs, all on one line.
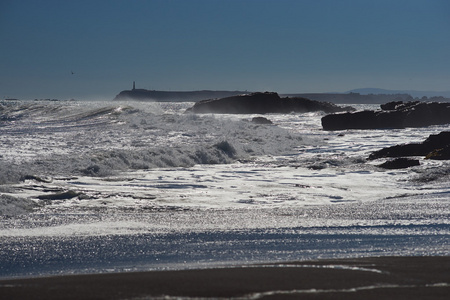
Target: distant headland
{"points": [[173, 96], [338, 98]]}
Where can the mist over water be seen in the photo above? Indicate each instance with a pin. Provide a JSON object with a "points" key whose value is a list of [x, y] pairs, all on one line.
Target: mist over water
{"points": [[162, 189]]}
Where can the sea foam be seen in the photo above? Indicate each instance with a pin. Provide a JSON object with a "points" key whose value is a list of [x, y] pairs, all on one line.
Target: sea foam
{"points": [[95, 139]]}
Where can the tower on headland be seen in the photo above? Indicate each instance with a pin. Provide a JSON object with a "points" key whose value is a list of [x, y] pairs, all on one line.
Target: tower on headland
{"points": [[134, 86]]}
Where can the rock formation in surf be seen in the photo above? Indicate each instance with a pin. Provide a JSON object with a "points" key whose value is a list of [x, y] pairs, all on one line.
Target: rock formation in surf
{"points": [[400, 163], [436, 146], [392, 115], [261, 121], [263, 103]]}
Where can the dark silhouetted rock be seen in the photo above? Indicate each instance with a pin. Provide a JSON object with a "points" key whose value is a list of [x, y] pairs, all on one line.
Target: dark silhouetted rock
{"points": [[435, 143], [391, 105], [263, 103], [60, 196], [440, 154], [398, 105], [400, 163], [367, 119], [394, 115], [400, 150], [261, 120]]}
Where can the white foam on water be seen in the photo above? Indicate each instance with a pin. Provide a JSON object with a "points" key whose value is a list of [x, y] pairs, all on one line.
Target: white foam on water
{"points": [[200, 190], [138, 155]]}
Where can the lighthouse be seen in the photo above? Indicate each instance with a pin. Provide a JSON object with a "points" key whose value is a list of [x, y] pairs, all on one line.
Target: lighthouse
{"points": [[134, 86]]}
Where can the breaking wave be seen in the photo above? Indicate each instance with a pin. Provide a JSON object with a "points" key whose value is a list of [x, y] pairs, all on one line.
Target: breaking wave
{"points": [[11, 206], [94, 139]]}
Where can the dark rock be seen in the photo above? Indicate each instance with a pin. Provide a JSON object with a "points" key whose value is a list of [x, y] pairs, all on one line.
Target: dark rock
{"points": [[399, 151], [37, 178], [440, 154], [301, 105], [426, 114], [391, 105], [407, 105], [60, 196], [366, 119], [263, 103], [358, 120], [261, 120], [435, 143], [400, 163], [391, 120], [393, 115], [317, 167]]}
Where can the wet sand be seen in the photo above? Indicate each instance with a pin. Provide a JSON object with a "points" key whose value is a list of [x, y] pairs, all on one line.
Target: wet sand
{"points": [[361, 278]]}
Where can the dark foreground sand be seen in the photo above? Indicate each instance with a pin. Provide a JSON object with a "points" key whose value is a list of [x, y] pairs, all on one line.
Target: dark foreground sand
{"points": [[363, 278]]}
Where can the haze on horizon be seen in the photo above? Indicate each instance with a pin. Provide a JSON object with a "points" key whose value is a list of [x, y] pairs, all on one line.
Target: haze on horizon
{"points": [[95, 49]]}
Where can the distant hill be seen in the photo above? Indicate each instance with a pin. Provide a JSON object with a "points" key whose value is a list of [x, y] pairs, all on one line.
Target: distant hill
{"points": [[413, 93], [375, 96], [353, 98]]}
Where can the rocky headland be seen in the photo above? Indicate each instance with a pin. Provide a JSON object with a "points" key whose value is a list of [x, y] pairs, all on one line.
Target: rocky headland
{"points": [[263, 103], [393, 115], [172, 96]]}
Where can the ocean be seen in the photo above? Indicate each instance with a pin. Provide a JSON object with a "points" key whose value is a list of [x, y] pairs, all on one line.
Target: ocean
{"points": [[101, 186]]}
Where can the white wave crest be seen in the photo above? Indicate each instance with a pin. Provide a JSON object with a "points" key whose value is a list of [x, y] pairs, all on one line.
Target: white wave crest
{"points": [[11, 206], [98, 139]]}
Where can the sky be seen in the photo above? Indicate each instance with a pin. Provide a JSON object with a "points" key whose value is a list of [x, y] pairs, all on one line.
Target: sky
{"points": [[94, 49]]}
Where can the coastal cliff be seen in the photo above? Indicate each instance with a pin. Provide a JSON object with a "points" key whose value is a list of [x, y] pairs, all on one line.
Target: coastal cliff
{"points": [[173, 96]]}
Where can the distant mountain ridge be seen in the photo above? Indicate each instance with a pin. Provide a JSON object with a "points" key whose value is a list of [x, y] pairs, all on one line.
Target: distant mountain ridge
{"points": [[413, 93]]}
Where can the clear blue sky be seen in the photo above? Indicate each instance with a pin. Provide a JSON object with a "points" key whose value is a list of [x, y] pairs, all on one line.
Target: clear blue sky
{"points": [[280, 45]]}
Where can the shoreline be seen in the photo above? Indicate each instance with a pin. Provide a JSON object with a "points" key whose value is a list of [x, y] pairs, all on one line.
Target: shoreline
{"points": [[399, 277]]}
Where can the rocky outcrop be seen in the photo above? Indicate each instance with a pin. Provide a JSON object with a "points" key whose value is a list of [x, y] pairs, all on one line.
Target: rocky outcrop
{"points": [[400, 163], [440, 154], [362, 120], [263, 103], [436, 146], [261, 121], [60, 196], [393, 115]]}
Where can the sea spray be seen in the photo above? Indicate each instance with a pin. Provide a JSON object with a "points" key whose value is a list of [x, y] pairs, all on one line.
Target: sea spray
{"points": [[95, 139], [12, 206]]}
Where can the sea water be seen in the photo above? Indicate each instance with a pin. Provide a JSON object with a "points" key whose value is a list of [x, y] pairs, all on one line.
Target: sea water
{"points": [[100, 186]]}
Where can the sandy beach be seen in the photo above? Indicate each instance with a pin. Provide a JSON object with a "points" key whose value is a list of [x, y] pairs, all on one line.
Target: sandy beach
{"points": [[361, 278]]}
